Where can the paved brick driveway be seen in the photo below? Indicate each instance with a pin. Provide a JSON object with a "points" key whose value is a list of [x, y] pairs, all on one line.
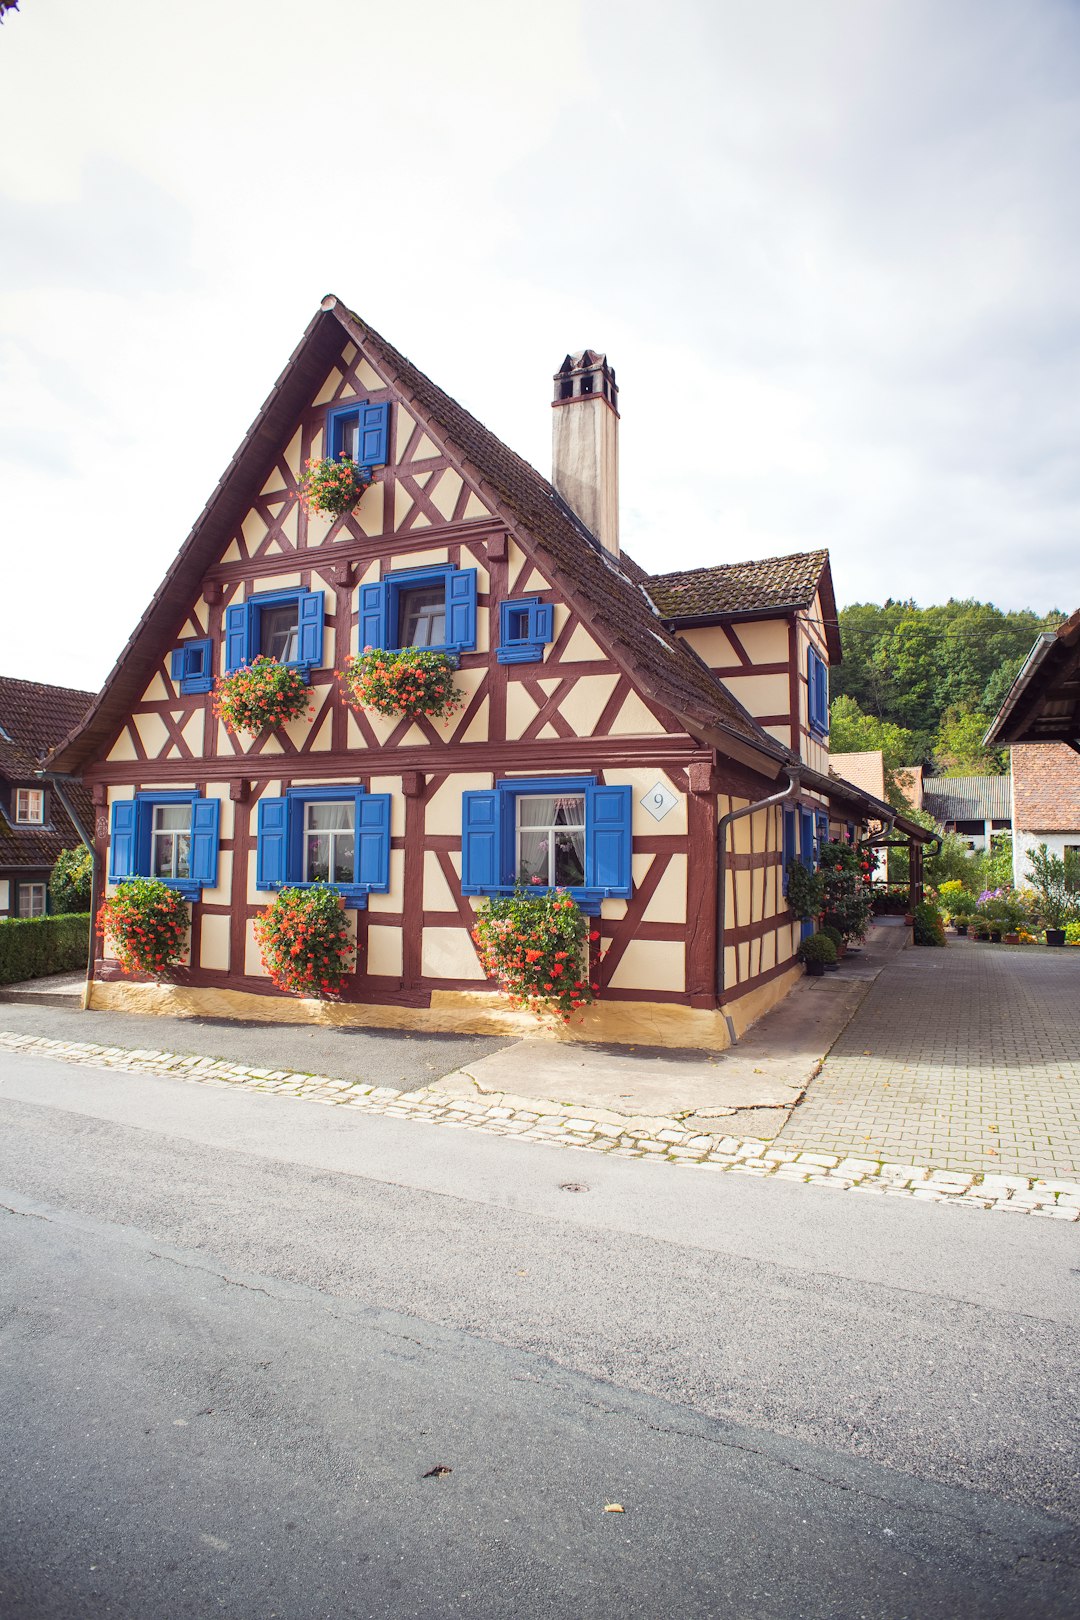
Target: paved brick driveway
{"points": [[966, 1058]]}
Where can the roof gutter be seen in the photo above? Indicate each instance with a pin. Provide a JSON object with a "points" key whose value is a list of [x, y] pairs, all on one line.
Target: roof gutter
{"points": [[786, 797]]}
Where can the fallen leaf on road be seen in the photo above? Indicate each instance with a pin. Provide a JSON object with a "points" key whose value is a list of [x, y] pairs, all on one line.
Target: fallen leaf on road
{"points": [[439, 1471], [614, 1507]]}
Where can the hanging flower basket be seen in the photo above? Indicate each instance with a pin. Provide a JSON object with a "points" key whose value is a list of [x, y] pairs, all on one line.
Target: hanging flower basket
{"points": [[536, 946], [262, 693], [305, 943], [332, 488], [147, 923], [412, 681]]}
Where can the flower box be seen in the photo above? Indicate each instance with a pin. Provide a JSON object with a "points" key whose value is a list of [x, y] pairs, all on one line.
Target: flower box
{"points": [[262, 693], [408, 681]]}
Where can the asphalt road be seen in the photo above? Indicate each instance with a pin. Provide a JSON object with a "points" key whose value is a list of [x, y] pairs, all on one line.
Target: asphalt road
{"points": [[237, 1331]]}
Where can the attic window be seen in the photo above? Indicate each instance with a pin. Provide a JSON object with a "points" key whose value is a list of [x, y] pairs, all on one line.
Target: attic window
{"points": [[586, 385], [29, 807], [566, 388]]}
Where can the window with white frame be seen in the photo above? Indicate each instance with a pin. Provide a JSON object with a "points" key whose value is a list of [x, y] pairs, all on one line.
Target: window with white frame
{"points": [[329, 841], [31, 899], [279, 635], [550, 839], [30, 807], [170, 841]]}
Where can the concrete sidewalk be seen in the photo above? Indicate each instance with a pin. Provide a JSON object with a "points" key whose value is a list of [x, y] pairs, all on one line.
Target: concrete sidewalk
{"points": [[749, 1089]]}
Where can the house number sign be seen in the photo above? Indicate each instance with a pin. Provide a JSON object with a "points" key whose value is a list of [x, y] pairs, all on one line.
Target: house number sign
{"points": [[658, 801]]}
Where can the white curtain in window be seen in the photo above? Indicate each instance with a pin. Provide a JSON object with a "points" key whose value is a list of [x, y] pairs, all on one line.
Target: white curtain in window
{"points": [[551, 838]]}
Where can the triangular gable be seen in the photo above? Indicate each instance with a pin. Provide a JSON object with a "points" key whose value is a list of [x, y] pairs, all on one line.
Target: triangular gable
{"points": [[663, 670]]}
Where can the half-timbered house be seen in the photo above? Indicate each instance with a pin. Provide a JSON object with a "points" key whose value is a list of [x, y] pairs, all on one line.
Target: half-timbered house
{"points": [[34, 823], [658, 746]]}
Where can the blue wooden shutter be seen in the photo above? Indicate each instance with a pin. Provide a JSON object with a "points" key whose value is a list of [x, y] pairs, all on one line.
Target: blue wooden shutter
{"points": [[461, 608], [608, 839], [122, 861], [806, 838], [178, 666], [373, 436], [479, 842], [236, 636], [311, 628], [372, 616], [543, 622], [270, 861], [823, 694], [373, 840], [205, 816], [787, 854]]}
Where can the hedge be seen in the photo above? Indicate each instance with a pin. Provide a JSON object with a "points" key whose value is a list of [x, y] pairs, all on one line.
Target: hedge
{"points": [[31, 947]]}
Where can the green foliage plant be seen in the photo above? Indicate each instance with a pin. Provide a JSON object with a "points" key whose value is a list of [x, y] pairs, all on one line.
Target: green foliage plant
{"points": [[818, 948], [262, 693], [334, 487], [147, 923], [410, 681], [848, 901], [534, 943], [305, 942], [1056, 903], [805, 890], [70, 880], [34, 947], [929, 926]]}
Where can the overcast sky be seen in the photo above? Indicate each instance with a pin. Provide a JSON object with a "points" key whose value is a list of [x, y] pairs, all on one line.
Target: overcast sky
{"points": [[830, 247]]}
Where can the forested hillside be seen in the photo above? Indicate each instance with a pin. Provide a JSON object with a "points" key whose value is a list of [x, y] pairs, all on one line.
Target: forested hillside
{"points": [[923, 684]]}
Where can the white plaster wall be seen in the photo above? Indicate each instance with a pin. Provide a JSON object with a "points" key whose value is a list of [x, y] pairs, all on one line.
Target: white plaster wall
{"points": [[1025, 842]]}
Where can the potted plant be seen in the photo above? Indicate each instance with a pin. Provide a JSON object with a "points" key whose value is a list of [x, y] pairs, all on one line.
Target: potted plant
{"points": [[1057, 905], [334, 487], [534, 943], [816, 953], [961, 909], [147, 923], [408, 681], [829, 932], [928, 924], [848, 902], [262, 693]]}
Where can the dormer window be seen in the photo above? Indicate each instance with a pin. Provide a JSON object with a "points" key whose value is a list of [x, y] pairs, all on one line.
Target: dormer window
{"points": [[29, 807]]}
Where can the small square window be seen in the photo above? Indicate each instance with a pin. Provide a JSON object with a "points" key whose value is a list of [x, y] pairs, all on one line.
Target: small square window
{"points": [[30, 807], [192, 666], [284, 625], [31, 899], [359, 431], [525, 628]]}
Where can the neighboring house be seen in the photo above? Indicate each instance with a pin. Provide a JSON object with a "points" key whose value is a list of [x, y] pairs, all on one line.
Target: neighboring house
{"points": [[971, 807], [34, 826], [866, 769], [1040, 719], [618, 736], [1046, 802]]}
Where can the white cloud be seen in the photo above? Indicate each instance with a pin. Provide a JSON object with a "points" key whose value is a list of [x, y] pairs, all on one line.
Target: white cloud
{"points": [[830, 250]]}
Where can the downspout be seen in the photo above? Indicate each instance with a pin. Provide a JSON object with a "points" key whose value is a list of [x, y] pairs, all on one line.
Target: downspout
{"points": [[57, 782], [721, 864]]}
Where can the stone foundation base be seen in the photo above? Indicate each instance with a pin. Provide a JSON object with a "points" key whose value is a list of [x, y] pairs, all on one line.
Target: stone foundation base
{"points": [[461, 1012]]}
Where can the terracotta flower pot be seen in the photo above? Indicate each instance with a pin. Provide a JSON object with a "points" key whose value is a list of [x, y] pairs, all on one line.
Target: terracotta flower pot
{"points": [[1010, 939]]}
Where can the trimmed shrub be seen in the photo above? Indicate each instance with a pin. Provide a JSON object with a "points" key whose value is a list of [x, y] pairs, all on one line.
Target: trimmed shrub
{"points": [[929, 927], [818, 948], [33, 947]]}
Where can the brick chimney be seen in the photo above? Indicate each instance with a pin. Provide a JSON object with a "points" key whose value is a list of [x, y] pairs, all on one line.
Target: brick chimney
{"points": [[585, 443]]}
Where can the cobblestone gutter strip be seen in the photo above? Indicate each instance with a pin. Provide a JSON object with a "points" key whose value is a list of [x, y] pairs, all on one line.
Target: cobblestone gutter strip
{"points": [[563, 1126]]}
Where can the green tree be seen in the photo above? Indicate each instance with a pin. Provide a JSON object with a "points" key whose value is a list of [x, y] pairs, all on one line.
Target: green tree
{"points": [[959, 750], [853, 732], [70, 879]]}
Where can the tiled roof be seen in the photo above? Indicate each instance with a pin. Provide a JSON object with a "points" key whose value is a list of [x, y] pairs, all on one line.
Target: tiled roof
{"points": [[968, 798], [1046, 788], [742, 587], [33, 719], [865, 769]]}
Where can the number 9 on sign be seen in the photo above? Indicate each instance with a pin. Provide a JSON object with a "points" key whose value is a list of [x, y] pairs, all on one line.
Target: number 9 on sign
{"points": [[659, 800]]}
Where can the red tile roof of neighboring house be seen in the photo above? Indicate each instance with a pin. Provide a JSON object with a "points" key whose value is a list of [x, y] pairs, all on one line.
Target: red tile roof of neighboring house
{"points": [[33, 719], [1046, 788], [865, 769]]}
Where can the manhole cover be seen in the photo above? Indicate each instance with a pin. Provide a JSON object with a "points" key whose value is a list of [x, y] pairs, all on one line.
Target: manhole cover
{"points": [[572, 1186]]}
